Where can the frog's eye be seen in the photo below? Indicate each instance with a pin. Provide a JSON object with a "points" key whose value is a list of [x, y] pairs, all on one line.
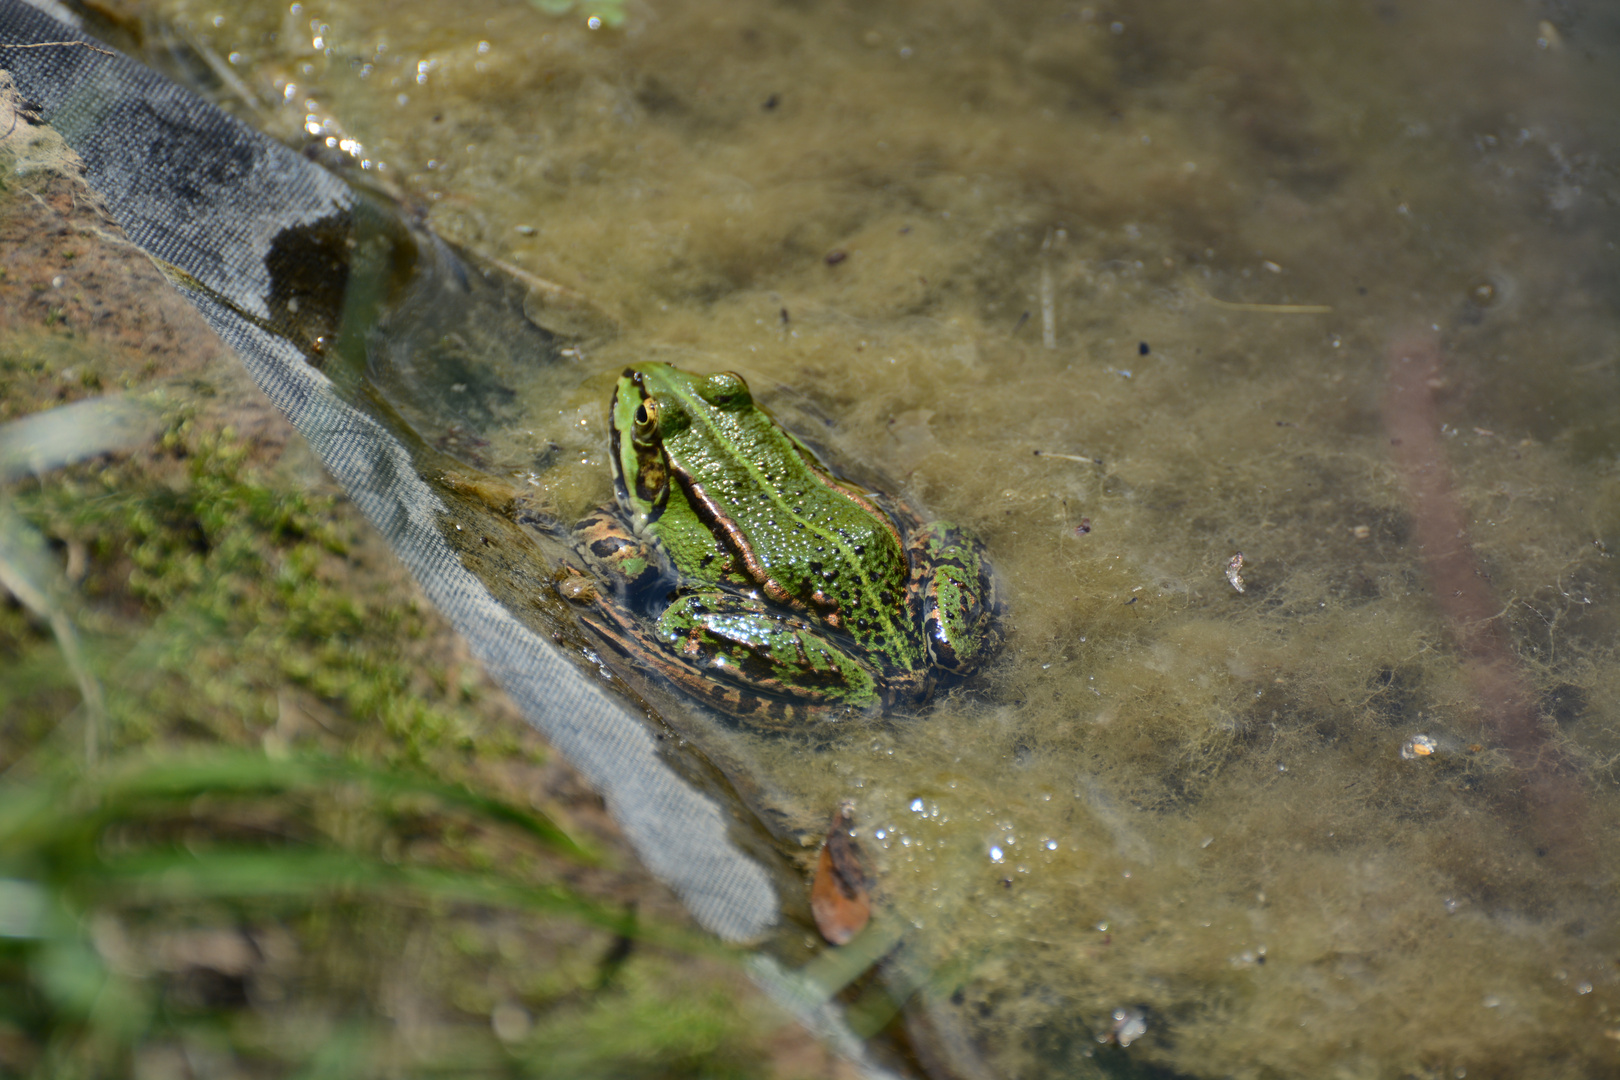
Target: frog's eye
{"points": [[725, 391], [647, 418], [655, 421]]}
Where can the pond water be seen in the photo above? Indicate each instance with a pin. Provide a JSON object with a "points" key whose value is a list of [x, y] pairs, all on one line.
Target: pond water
{"points": [[1127, 290]]}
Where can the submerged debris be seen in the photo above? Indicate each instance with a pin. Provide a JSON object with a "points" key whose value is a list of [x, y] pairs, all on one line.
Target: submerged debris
{"points": [[1492, 667], [1234, 571], [1419, 746]]}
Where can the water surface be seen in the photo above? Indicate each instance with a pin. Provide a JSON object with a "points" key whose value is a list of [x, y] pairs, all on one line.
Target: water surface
{"points": [[1128, 291]]}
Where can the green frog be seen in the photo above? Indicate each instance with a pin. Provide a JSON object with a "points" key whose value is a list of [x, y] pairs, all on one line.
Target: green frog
{"points": [[737, 565]]}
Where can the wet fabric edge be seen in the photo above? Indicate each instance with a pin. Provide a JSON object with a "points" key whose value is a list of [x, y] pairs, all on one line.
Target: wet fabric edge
{"points": [[217, 228]]}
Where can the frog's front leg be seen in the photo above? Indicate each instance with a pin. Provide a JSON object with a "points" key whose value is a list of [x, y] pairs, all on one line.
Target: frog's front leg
{"points": [[623, 559], [762, 653], [960, 609]]}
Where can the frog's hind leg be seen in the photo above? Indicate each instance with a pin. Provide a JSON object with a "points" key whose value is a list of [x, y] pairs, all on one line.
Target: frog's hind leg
{"points": [[961, 610], [769, 666], [634, 648]]}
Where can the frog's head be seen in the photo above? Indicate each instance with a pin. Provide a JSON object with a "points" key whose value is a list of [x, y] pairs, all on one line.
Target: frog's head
{"points": [[653, 406]]}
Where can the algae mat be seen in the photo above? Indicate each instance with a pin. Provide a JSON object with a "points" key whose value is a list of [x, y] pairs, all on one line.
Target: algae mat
{"points": [[1129, 290]]}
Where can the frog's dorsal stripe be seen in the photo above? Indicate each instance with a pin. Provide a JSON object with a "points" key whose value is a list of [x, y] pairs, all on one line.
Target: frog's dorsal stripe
{"points": [[709, 510]]}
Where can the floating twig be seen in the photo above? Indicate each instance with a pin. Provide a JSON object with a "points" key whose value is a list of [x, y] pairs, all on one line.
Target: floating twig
{"points": [[1270, 309]]}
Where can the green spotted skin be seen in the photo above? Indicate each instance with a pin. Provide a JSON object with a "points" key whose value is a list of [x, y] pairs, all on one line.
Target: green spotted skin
{"points": [[766, 585]]}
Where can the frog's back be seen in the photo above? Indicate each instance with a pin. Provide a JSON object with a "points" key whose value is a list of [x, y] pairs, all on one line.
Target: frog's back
{"points": [[834, 554]]}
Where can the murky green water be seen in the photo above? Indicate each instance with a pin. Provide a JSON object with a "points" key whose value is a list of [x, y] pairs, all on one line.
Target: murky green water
{"points": [[1148, 268]]}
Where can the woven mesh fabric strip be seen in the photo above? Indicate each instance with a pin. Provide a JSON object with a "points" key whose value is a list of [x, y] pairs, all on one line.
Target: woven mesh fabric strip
{"points": [[198, 189]]}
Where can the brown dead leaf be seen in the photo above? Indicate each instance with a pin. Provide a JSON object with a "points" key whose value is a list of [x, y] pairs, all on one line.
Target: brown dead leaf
{"points": [[838, 895]]}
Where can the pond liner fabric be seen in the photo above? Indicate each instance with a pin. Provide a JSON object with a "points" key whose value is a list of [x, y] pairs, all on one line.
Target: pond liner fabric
{"points": [[214, 199]]}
